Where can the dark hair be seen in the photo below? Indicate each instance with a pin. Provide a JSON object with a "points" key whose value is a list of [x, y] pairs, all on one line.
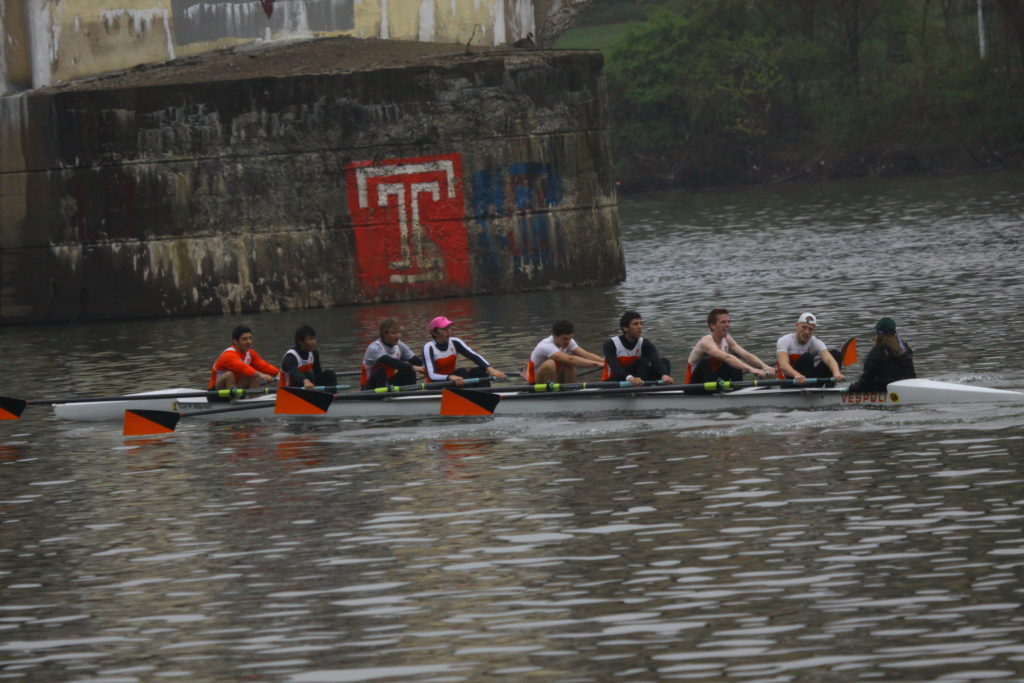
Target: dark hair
{"points": [[713, 315], [560, 327], [892, 343], [302, 332], [239, 331], [627, 318], [388, 324]]}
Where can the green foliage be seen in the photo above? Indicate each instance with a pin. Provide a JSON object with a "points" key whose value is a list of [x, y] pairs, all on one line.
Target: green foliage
{"points": [[594, 37], [603, 12], [727, 91]]}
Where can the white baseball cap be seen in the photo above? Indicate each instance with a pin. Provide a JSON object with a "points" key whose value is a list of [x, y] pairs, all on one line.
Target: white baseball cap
{"points": [[808, 318]]}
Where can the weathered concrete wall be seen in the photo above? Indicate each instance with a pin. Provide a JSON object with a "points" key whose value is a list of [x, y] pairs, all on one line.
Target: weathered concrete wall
{"points": [[456, 175], [44, 42]]}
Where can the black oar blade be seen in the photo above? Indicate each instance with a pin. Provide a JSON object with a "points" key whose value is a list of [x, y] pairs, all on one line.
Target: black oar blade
{"points": [[11, 408], [299, 401], [146, 422], [463, 402]]}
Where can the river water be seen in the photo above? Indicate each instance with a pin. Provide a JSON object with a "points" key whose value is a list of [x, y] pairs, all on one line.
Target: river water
{"points": [[846, 544]]}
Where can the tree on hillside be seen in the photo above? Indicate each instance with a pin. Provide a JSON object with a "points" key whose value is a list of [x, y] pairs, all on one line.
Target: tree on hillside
{"points": [[720, 91], [697, 86], [1013, 11]]}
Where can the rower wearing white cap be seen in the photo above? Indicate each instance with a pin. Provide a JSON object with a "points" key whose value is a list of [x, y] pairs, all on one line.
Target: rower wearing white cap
{"points": [[801, 355], [441, 355]]}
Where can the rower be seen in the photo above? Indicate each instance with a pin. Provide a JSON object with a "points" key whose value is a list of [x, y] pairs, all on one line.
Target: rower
{"points": [[441, 354], [889, 360], [239, 366], [301, 364], [717, 356], [556, 358], [801, 355], [630, 357], [388, 360]]}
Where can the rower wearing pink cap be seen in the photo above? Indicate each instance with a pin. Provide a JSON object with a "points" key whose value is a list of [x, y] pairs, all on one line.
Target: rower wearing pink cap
{"points": [[441, 354]]}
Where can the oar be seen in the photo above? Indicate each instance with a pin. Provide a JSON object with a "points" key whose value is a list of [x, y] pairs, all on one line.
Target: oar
{"points": [[12, 408], [848, 354], [295, 400], [427, 386], [464, 402], [468, 395], [554, 386], [147, 422], [298, 401], [722, 385], [522, 373]]}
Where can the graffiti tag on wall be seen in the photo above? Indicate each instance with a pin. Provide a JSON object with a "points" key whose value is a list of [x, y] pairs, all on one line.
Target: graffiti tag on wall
{"points": [[409, 220], [523, 191]]}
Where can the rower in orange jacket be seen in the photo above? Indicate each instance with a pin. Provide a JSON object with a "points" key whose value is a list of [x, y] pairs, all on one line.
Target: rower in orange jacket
{"points": [[239, 365]]}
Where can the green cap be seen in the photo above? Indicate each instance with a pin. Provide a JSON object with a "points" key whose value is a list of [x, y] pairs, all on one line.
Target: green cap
{"points": [[885, 326]]}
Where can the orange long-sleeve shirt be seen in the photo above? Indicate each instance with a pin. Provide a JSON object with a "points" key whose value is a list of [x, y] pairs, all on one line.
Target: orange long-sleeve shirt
{"points": [[247, 364]]}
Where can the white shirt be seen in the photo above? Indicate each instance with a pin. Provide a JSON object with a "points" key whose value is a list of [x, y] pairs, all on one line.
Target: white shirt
{"points": [[789, 345], [378, 349], [547, 348]]}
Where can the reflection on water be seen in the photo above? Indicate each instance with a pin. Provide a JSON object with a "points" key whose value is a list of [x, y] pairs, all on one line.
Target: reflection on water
{"points": [[803, 545]]}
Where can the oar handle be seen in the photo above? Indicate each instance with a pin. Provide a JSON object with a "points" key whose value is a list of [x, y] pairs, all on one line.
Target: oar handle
{"points": [[628, 388], [427, 386], [577, 386], [228, 409]]}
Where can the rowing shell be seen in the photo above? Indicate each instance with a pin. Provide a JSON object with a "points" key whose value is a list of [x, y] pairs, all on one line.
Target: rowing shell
{"points": [[913, 392], [114, 410]]}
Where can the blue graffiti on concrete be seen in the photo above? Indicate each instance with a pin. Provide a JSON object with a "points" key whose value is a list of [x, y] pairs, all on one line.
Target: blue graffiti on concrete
{"points": [[522, 190]]}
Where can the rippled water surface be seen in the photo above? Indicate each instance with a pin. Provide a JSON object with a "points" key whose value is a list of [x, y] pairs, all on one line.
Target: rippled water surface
{"points": [[847, 544]]}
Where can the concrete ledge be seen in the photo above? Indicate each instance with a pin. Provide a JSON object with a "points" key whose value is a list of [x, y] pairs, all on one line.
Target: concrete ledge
{"points": [[157, 193]]}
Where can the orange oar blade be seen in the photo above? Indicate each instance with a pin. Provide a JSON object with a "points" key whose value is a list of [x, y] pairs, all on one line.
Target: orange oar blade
{"points": [[848, 356], [298, 401], [460, 402], [10, 408], [146, 422]]}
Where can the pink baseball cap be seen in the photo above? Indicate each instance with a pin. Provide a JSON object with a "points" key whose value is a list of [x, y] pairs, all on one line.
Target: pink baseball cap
{"points": [[439, 321]]}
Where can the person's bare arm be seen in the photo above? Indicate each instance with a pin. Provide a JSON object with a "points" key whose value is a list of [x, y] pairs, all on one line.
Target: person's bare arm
{"points": [[832, 365], [782, 358], [576, 360], [743, 359]]}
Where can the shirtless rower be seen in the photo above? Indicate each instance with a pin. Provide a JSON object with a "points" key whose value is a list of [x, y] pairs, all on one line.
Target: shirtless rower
{"points": [[717, 356], [239, 366], [441, 355], [801, 355], [632, 358], [388, 360], [556, 358]]}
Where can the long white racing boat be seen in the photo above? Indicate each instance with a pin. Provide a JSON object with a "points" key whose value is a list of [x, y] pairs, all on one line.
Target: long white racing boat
{"points": [[912, 392]]}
